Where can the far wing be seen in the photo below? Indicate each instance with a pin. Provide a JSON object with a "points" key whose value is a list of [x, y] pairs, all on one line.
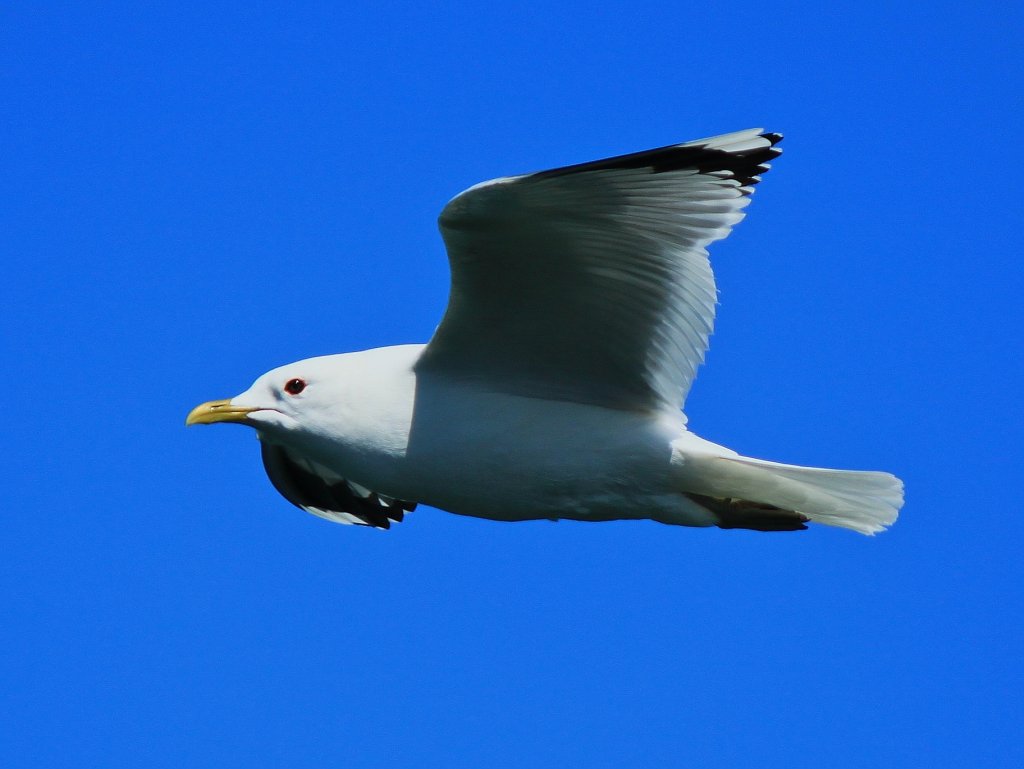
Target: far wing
{"points": [[591, 283], [319, 491]]}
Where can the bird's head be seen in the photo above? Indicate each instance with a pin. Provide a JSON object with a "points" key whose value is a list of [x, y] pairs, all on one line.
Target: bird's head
{"points": [[281, 401]]}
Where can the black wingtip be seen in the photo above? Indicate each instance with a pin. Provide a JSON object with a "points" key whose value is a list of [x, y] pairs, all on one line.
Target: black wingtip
{"points": [[305, 489], [744, 165]]}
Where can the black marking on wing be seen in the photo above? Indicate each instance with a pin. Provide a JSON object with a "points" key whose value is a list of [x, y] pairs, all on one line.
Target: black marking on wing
{"points": [[744, 166], [306, 489]]}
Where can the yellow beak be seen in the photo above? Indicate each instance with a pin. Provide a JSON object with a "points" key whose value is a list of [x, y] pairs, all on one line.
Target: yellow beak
{"points": [[217, 411]]}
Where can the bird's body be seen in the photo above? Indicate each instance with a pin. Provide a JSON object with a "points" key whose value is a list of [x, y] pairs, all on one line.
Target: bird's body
{"points": [[489, 454], [581, 304]]}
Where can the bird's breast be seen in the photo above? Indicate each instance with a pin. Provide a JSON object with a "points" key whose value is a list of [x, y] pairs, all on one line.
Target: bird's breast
{"points": [[454, 446], [496, 455]]}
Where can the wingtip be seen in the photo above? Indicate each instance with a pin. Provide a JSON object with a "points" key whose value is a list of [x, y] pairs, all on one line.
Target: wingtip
{"points": [[743, 155], [773, 150]]}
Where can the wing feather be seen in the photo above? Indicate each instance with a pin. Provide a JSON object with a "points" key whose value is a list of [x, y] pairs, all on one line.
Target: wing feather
{"points": [[592, 283], [317, 490]]}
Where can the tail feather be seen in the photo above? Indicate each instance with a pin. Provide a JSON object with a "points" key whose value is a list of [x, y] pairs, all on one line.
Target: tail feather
{"points": [[864, 501]]}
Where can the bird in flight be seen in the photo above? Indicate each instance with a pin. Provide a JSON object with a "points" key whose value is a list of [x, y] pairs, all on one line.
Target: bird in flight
{"points": [[581, 304]]}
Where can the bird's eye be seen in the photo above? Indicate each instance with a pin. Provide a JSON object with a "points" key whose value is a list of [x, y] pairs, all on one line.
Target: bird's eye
{"points": [[294, 386]]}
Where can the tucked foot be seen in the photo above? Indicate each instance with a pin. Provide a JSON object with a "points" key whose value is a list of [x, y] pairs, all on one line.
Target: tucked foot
{"points": [[744, 514]]}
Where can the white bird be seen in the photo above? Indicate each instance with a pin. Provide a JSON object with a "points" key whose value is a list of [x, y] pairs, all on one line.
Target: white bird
{"points": [[581, 304]]}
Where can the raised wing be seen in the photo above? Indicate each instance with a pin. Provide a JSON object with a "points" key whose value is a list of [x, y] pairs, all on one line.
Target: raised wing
{"points": [[591, 283], [317, 490]]}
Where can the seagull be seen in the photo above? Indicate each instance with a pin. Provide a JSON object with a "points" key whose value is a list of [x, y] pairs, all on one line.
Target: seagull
{"points": [[581, 304]]}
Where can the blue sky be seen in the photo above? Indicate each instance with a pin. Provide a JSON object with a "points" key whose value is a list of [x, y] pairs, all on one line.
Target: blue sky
{"points": [[196, 195]]}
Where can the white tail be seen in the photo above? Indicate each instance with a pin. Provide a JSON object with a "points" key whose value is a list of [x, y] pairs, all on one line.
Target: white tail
{"points": [[867, 502]]}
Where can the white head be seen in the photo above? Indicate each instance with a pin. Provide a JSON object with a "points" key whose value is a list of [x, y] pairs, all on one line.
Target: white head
{"points": [[287, 400], [360, 396]]}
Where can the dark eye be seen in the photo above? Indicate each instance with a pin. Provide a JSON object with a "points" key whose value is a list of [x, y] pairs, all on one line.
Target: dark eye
{"points": [[294, 386]]}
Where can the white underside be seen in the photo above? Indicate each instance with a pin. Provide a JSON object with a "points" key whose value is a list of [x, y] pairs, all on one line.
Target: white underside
{"points": [[505, 457]]}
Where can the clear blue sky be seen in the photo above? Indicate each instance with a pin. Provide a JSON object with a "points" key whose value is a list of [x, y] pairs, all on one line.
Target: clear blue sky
{"points": [[193, 196]]}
